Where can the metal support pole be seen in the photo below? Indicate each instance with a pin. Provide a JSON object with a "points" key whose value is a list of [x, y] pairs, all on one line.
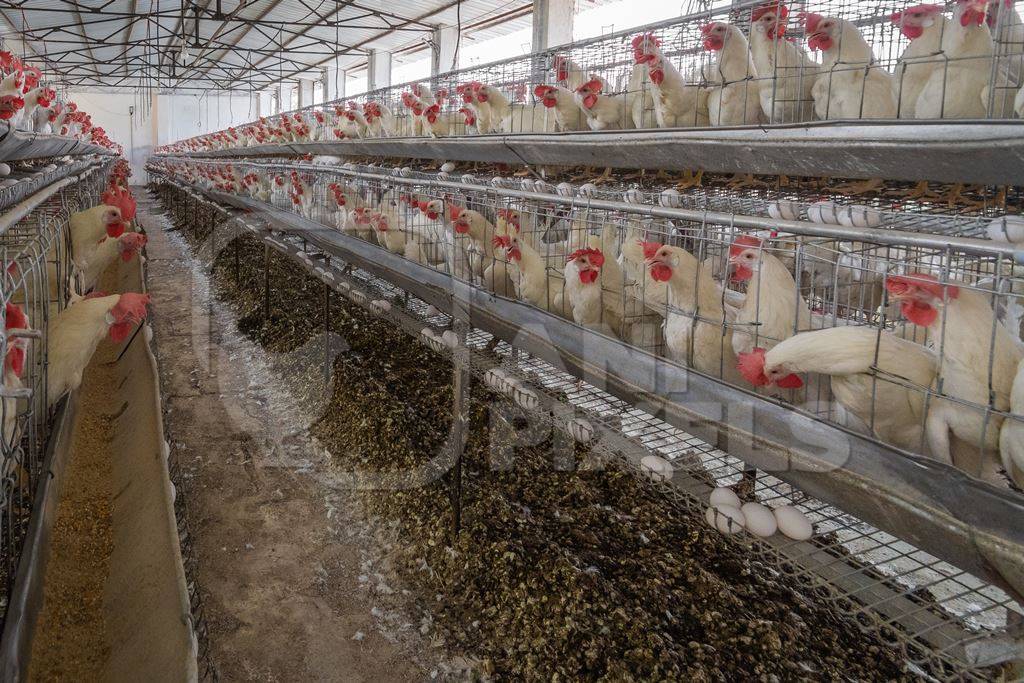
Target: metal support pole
{"points": [[266, 281]]}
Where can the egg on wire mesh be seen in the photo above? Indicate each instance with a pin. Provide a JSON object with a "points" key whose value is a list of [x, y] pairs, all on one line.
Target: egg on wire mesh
{"points": [[1007, 229], [581, 430], [793, 523], [726, 518], [759, 519], [656, 467], [724, 495], [783, 209], [450, 339], [858, 216]]}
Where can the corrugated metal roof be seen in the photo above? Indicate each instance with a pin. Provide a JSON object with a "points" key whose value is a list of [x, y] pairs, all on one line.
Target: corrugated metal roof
{"points": [[132, 42]]}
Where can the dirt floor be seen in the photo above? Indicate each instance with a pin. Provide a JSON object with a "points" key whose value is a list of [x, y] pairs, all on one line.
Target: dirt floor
{"points": [[71, 642], [279, 558]]}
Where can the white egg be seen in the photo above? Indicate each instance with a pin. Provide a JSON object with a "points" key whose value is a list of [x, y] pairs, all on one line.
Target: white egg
{"points": [[447, 167], [427, 333], [468, 178], [784, 210], [444, 175], [564, 189], [542, 187], [725, 518], [497, 181], [587, 190], [633, 196], [793, 523], [724, 496], [5, 169], [822, 212], [1007, 229], [844, 215], [656, 467], [581, 430], [759, 519], [527, 184], [866, 216], [380, 306], [450, 339], [432, 311], [669, 198]]}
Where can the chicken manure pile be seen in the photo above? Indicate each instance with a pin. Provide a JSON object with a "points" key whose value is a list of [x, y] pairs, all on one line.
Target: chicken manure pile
{"points": [[574, 570]]}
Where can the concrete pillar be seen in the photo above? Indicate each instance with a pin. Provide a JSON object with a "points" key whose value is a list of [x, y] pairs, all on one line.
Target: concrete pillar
{"points": [[552, 23], [334, 87], [378, 72], [284, 94], [442, 52], [266, 102], [305, 92]]}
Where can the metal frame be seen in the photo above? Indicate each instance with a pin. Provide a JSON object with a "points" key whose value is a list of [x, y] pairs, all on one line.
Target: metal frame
{"points": [[914, 497], [822, 563]]}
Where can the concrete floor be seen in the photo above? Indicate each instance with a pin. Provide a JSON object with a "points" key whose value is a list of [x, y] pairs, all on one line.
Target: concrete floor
{"points": [[278, 573]]}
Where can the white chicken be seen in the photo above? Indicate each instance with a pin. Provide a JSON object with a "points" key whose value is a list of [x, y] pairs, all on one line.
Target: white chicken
{"points": [[773, 309], [125, 246], [958, 89], [677, 101], [924, 26], [604, 112], [734, 99], [962, 329], [695, 330], [534, 282], [77, 331], [850, 85], [568, 115], [786, 71], [1011, 434], [880, 380]]}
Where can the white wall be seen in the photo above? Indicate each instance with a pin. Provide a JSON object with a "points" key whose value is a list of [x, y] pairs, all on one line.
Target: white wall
{"points": [[161, 119]]}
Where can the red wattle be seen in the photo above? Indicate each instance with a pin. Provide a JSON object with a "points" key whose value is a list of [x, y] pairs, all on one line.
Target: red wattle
{"points": [[589, 101], [660, 272], [742, 273], [919, 313], [588, 277]]}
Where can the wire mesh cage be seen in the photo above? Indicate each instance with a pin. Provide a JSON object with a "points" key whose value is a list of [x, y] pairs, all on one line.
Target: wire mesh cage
{"points": [[948, 624], [36, 286], [698, 289], [740, 63]]}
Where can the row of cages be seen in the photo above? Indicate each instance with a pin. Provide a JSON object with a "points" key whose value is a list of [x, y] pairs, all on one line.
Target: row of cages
{"points": [[742, 63], [914, 342], [35, 285], [858, 558]]}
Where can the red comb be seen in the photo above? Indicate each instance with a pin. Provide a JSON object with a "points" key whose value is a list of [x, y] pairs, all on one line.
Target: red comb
{"points": [[593, 85], [454, 212], [751, 366], [908, 285], [503, 241], [810, 20], [761, 10], [742, 242], [594, 255], [129, 310], [542, 90], [650, 249]]}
